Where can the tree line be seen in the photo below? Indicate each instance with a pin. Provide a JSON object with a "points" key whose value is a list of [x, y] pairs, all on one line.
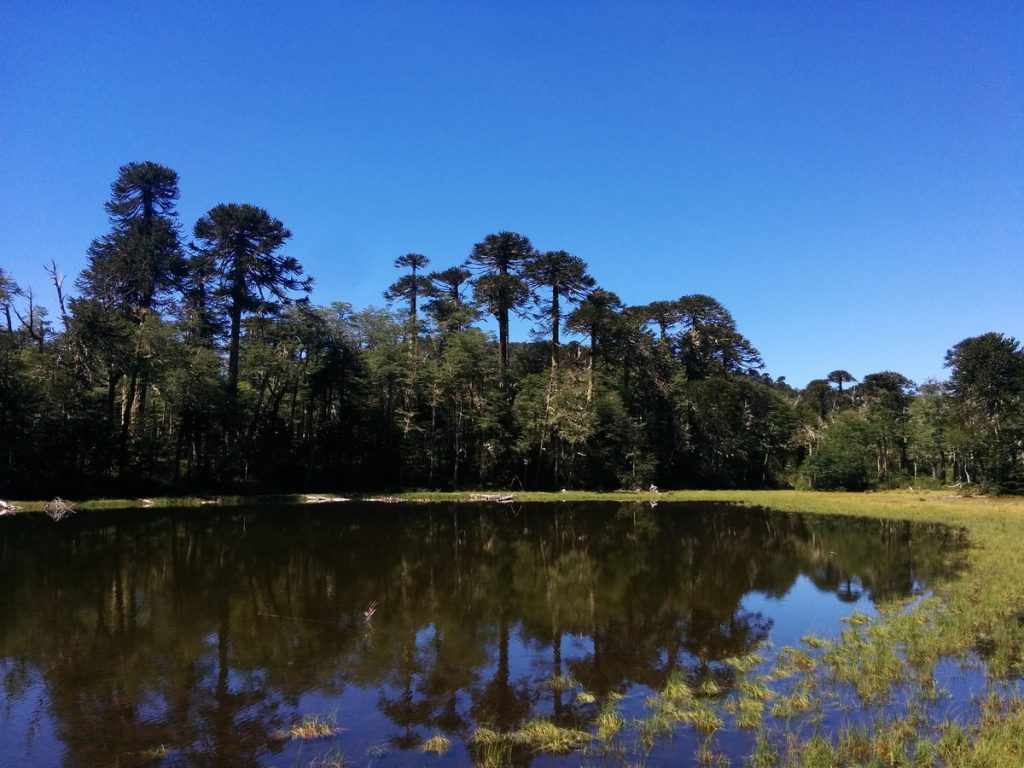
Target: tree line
{"points": [[200, 364]]}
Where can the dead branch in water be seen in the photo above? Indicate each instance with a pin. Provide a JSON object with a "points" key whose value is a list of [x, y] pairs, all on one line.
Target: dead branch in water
{"points": [[501, 498], [58, 509]]}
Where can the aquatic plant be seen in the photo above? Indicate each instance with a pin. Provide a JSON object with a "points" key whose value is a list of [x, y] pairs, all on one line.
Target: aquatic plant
{"points": [[314, 727], [436, 744]]}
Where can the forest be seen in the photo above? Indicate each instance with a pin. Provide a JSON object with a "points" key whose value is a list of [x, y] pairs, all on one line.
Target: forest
{"points": [[198, 362]]}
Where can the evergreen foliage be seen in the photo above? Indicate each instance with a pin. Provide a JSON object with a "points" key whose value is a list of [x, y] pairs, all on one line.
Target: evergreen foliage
{"points": [[214, 372]]}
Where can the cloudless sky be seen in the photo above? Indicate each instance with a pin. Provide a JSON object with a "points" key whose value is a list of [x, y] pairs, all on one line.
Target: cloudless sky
{"points": [[846, 178]]}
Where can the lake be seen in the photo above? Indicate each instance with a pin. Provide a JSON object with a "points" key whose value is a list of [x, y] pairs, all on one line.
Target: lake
{"points": [[210, 637]]}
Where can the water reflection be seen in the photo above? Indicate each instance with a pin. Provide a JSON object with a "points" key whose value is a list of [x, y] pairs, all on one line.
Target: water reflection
{"points": [[191, 638]]}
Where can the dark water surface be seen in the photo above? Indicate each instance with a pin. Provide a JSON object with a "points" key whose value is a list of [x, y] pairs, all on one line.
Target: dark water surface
{"points": [[198, 637]]}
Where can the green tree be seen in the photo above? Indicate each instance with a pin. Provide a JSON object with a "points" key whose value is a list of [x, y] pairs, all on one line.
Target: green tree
{"points": [[498, 261], [8, 291], [565, 277], [664, 314], [140, 261], [409, 288], [840, 377], [845, 458], [132, 269], [597, 317], [885, 400], [927, 429], [448, 306], [987, 386], [709, 342], [243, 242]]}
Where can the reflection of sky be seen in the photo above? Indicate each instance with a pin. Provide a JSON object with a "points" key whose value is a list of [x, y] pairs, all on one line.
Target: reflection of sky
{"points": [[37, 744], [805, 609]]}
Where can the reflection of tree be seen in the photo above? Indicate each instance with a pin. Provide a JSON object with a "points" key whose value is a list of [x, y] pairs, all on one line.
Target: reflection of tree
{"points": [[235, 719], [203, 632], [502, 702]]}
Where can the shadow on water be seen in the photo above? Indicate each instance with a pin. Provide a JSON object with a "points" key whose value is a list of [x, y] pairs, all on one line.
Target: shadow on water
{"points": [[199, 638]]}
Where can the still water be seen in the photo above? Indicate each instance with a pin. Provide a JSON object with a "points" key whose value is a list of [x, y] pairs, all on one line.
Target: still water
{"points": [[199, 637]]}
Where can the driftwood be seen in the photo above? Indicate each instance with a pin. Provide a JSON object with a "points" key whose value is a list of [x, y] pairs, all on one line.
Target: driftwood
{"points": [[314, 499], [58, 509], [501, 498]]}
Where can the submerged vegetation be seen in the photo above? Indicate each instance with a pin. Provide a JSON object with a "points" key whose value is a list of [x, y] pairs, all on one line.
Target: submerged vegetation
{"points": [[206, 368]]}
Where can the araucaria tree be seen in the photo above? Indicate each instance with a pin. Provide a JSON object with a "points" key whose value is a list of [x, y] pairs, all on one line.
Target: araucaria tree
{"points": [[130, 270], [409, 287], [140, 260], [565, 278], [243, 242], [185, 371], [498, 261]]}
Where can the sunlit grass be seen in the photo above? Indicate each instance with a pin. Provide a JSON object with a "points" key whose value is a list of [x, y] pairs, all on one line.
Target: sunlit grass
{"points": [[313, 727], [561, 683], [436, 744], [541, 735]]}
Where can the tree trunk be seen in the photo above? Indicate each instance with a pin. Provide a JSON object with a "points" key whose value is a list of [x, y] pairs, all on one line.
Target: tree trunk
{"points": [[236, 334]]}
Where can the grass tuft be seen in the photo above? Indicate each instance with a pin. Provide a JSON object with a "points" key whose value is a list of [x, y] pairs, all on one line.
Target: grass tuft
{"points": [[436, 744]]}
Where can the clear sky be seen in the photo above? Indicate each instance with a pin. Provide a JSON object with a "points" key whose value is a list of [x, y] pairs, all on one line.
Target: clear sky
{"points": [[846, 178]]}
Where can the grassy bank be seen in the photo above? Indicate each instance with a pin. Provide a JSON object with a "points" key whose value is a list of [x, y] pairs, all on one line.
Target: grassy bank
{"points": [[977, 617]]}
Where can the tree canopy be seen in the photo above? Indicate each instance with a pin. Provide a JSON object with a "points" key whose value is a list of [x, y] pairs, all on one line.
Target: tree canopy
{"points": [[208, 368]]}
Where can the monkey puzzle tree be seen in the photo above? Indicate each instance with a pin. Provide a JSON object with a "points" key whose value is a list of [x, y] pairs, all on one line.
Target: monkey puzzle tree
{"points": [[709, 342], [565, 277], [597, 317], [140, 260], [252, 277], [840, 377], [448, 305], [133, 268], [664, 314], [410, 287], [498, 261]]}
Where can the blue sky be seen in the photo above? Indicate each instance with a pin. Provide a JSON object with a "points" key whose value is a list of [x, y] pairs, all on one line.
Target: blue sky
{"points": [[846, 178]]}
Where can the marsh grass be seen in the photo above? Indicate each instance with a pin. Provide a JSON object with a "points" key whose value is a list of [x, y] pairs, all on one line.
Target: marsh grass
{"points": [[541, 735], [494, 749], [313, 727], [561, 683], [335, 758], [609, 723], [490, 748], [436, 744]]}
